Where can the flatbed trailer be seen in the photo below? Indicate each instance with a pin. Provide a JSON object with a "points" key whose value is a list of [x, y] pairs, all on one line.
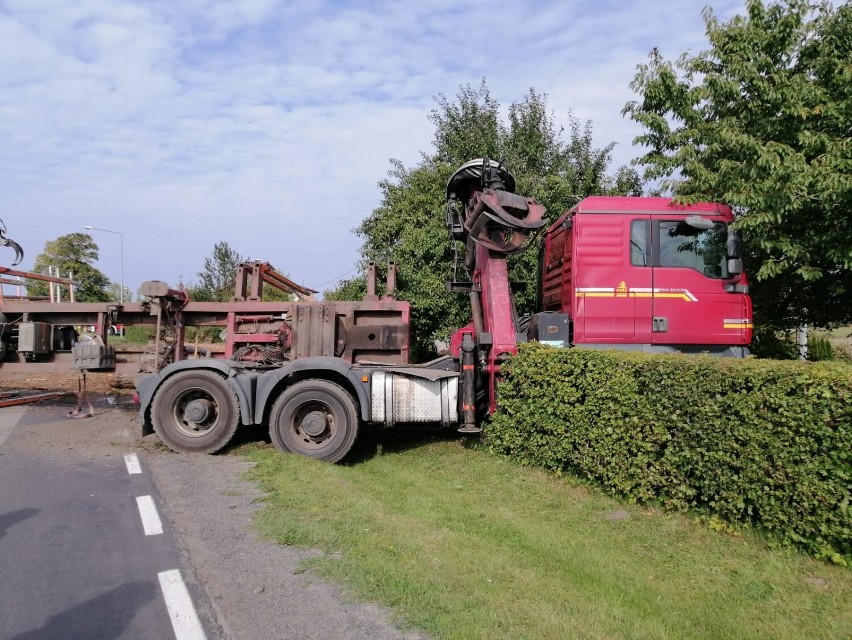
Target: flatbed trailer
{"points": [[40, 337]]}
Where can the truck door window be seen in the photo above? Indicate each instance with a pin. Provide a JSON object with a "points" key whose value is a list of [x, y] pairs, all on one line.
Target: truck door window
{"points": [[639, 245], [701, 249]]}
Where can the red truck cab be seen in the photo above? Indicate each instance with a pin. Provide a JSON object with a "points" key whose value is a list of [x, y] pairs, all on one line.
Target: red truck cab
{"points": [[648, 274]]}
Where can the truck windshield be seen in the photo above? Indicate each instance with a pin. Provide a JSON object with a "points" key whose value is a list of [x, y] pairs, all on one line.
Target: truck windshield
{"points": [[701, 249]]}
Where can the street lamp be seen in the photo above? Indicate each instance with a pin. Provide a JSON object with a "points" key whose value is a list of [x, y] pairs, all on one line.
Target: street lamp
{"points": [[121, 236]]}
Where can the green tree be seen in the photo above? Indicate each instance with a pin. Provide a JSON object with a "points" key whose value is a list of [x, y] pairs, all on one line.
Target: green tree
{"points": [[467, 128], [217, 279], [114, 293], [762, 120], [408, 227], [73, 254], [350, 289]]}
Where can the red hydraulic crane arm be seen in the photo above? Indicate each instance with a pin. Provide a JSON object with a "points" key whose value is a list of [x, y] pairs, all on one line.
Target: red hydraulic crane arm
{"points": [[499, 338], [494, 222]]}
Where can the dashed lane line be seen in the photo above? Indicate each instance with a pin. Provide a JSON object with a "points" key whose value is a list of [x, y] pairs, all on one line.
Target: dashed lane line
{"points": [[182, 614], [185, 620], [132, 462], [150, 518], [9, 417]]}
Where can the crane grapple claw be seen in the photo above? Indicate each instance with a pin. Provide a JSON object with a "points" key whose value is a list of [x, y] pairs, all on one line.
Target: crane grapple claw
{"points": [[502, 221], [8, 242], [483, 209], [19, 252]]}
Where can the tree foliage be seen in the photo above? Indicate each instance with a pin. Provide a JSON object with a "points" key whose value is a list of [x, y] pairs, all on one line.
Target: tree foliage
{"points": [[217, 279], [762, 120], [114, 293], [73, 254], [558, 165]]}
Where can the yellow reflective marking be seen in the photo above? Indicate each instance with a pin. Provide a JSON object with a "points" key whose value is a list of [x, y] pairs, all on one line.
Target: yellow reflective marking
{"points": [[621, 292], [682, 296]]}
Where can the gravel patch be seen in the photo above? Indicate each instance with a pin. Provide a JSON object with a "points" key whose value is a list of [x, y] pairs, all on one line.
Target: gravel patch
{"points": [[257, 588]]}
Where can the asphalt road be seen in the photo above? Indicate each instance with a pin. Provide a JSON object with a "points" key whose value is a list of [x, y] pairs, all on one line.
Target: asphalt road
{"points": [[80, 558]]}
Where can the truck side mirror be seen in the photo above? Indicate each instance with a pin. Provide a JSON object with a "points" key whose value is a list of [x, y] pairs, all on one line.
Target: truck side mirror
{"points": [[735, 266], [734, 246], [699, 222]]}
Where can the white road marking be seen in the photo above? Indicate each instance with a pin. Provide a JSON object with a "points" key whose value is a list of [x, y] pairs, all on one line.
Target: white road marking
{"points": [[150, 518], [132, 462], [9, 417], [185, 620]]}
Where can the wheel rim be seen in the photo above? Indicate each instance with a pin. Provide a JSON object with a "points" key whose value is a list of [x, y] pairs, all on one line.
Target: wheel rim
{"points": [[314, 418], [312, 425], [194, 412]]}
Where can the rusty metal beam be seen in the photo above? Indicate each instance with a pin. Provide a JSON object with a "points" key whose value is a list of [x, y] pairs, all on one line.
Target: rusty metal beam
{"points": [[251, 276], [277, 279], [29, 399], [35, 276]]}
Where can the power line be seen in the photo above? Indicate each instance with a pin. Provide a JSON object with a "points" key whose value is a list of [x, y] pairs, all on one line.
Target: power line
{"points": [[319, 286]]}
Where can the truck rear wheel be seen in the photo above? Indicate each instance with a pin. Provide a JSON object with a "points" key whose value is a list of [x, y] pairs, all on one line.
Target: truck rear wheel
{"points": [[314, 418], [195, 412]]}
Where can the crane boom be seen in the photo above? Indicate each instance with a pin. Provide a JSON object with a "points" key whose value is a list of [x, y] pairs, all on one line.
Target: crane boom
{"points": [[494, 222]]}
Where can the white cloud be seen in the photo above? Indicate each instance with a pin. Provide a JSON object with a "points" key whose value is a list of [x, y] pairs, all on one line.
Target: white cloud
{"points": [[269, 124]]}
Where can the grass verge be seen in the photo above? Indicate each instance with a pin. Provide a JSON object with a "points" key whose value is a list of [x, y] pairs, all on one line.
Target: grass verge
{"points": [[467, 545]]}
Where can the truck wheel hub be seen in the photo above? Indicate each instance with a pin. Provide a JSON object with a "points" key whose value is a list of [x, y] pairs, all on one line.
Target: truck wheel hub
{"points": [[199, 411], [314, 424]]}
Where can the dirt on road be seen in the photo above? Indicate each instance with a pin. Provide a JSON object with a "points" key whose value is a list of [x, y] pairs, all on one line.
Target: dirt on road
{"points": [[96, 382]]}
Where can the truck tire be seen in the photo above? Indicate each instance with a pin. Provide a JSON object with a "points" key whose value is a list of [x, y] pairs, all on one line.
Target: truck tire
{"points": [[195, 412], [314, 418], [65, 338]]}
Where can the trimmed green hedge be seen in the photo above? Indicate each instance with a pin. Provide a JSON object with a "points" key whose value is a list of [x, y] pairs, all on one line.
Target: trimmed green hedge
{"points": [[757, 442]]}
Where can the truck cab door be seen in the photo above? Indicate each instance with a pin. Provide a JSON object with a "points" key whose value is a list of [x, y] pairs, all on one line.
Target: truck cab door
{"points": [[613, 261], [690, 304]]}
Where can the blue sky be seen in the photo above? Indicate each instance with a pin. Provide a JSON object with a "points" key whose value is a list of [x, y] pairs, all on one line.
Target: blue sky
{"points": [[268, 124]]}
